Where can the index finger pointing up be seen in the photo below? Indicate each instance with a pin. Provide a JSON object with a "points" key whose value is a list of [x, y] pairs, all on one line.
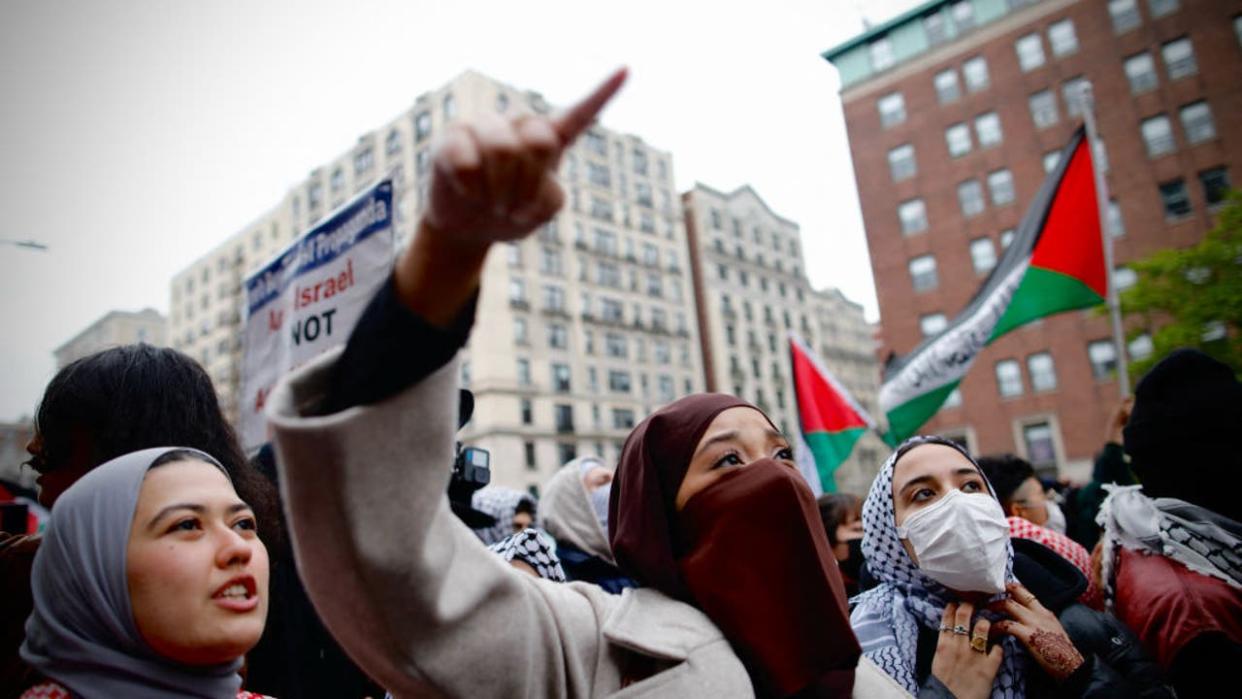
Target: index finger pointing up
{"points": [[577, 118]]}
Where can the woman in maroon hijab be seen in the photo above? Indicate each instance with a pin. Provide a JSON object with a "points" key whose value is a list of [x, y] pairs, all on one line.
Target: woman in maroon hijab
{"points": [[708, 507]]}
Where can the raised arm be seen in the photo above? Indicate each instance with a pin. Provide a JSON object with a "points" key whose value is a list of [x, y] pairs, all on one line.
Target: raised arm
{"points": [[409, 592]]}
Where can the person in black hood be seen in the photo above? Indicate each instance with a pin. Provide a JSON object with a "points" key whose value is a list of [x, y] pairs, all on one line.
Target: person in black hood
{"points": [[842, 516]]}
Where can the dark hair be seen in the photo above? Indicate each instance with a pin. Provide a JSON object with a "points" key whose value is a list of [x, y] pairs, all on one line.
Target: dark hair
{"points": [[527, 505], [1006, 473], [175, 455], [835, 509], [136, 397]]}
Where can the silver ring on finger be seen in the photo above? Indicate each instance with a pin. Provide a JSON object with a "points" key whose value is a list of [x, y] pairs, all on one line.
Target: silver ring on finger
{"points": [[961, 630]]}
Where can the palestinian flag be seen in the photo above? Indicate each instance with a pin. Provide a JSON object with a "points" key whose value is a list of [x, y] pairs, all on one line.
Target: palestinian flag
{"points": [[1055, 263], [829, 418]]}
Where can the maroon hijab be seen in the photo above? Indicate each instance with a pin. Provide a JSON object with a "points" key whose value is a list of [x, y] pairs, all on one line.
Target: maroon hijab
{"points": [[653, 463], [775, 591]]}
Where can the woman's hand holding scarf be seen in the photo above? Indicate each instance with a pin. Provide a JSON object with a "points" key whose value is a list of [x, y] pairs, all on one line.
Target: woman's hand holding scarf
{"points": [[959, 663], [1038, 629]]}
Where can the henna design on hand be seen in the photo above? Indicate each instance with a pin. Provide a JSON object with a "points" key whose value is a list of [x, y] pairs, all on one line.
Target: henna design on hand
{"points": [[1055, 652]]}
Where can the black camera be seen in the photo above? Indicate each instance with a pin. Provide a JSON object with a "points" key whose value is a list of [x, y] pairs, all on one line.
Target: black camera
{"points": [[471, 471]]}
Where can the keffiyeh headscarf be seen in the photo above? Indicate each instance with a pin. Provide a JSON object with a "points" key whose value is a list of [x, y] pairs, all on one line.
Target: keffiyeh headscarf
{"points": [[82, 632], [532, 548], [1203, 541], [500, 503], [887, 618]]}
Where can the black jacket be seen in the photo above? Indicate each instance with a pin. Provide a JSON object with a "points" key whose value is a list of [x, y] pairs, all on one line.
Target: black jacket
{"points": [[1115, 664]]}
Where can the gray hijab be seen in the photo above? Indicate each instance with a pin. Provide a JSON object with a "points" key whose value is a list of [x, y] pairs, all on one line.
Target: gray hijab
{"points": [[82, 632]]}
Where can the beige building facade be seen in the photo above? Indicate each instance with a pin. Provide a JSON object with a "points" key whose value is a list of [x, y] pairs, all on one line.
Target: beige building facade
{"points": [[116, 328], [582, 329], [752, 290]]}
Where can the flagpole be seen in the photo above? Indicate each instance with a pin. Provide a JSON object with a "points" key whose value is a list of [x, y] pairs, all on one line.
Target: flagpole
{"points": [[1101, 202]]}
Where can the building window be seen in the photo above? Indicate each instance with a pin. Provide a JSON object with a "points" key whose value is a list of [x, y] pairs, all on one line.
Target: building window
{"points": [[957, 137], [1141, 72], [1197, 122], [1237, 28], [1061, 38], [913, 215], [553, 298], [1116, 225], [622, 418], [881, 54], [523, 372], [527, 411], [1043, 372], [932, 324], [449, 107], [517, 291], [1043, 106], [520, 336], [1009, 378], [901, 162], [988, 129], [1051, 159], [954, 399], [923, 273], [1030, 50], [1125, 15], [1215, 185], [1179, 58], [975, 71], [982, 255], [618, 381], [1141, 347], [1176, 201], [560, 377], [528, 450], [947, 89], [1157, 135], [892, 109], [1041, 449], [1006, 238], [1103, 357], [1124, 278], [564, 418], [422, 126], [337, 180], [1072, 92], [970, 198], [1000, 185], [558, 336], [1160, 8]]}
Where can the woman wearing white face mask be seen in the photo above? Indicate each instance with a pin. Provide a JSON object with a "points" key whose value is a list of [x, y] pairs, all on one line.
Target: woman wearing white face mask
{"points": [[936, 539], [1032, 514]]}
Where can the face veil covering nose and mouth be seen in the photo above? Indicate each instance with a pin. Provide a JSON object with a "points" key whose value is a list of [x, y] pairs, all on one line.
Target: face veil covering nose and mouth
{"points": [[961, 541], [756, 560]]}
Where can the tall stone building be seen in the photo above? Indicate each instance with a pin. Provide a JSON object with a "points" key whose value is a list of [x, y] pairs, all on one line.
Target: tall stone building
{"points": [[957, 109], [581, 330], [114, 329], [751, 290]]}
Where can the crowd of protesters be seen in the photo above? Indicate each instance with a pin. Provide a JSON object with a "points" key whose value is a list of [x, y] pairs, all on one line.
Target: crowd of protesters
{"points": [[700, 565]]}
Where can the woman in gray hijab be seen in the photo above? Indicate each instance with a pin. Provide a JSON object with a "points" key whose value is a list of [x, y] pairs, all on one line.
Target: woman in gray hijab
{"points": [[151, 582]]}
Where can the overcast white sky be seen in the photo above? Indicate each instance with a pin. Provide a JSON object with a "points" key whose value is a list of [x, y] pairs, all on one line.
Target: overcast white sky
{"points": [[135, 136]]}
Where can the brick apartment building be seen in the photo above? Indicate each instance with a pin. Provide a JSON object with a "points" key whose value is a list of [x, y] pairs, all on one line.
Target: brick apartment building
{"points": [[955, 111]]}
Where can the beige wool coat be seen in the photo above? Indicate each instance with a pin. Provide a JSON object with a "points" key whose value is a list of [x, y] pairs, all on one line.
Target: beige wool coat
{"points": [[419, 603]]}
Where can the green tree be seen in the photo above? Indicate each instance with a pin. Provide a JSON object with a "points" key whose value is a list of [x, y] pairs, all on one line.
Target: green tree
{"points": [[1192, 297]]}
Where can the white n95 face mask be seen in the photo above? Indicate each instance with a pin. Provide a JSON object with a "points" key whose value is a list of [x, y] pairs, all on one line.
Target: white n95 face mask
{"points": [[961, 541]]}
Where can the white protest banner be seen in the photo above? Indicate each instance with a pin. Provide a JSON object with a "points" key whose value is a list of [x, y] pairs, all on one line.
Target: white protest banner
{"points": [[309, 297]]}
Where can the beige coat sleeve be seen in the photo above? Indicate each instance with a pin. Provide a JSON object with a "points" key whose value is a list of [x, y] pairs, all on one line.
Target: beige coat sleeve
{"points": [[411, 594]]}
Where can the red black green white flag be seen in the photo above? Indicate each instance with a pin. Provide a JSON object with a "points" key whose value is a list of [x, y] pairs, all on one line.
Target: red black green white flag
{"points": [[831, 421], [1055, 263]]}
